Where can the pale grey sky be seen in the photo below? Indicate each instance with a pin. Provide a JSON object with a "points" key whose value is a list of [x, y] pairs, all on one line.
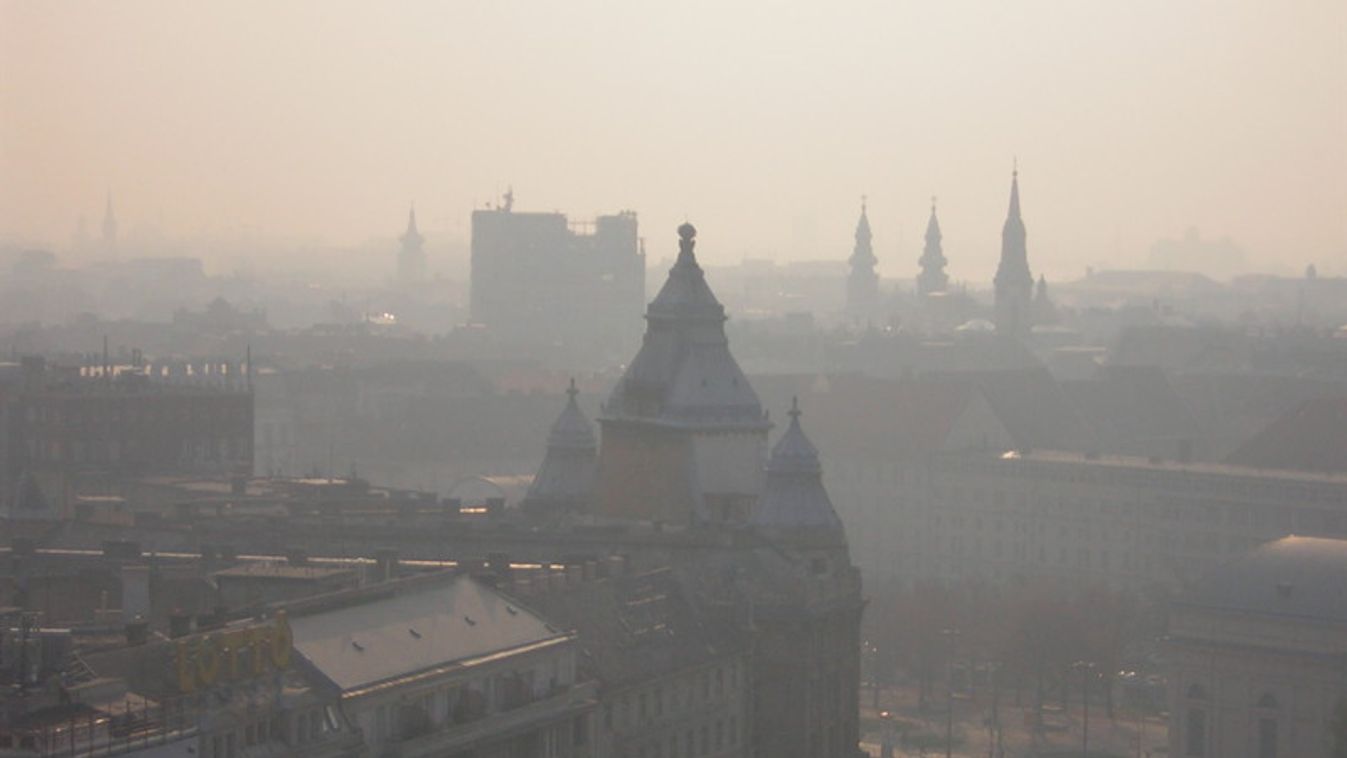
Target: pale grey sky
{"points": [[763, 122]]}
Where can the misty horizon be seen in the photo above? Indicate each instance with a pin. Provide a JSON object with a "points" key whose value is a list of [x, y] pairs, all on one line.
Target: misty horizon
{"points": [[290, 129]]}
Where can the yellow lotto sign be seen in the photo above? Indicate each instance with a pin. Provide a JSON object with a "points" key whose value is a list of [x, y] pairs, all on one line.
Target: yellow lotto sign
{"points": [[234, 654]]}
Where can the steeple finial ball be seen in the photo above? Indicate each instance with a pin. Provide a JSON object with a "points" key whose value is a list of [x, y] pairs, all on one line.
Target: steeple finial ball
{"points": [[687, 232]]}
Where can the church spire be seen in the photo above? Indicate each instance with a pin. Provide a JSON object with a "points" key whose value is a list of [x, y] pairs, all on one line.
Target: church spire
{"points": [[1014, 282], [863, 281], [932, 277], [109, 227], [412, 234], [411, 258]]}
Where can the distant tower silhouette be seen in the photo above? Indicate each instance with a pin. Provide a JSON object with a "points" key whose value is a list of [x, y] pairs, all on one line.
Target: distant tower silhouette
{"points": [[1014, 283], [109, 241], [412, 258], [1045, 311], [932, 277], [863, 282]]}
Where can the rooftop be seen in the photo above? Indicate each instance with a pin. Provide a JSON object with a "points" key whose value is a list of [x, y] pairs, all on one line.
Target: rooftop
{"points": [[457, 622], [1301, 577]]}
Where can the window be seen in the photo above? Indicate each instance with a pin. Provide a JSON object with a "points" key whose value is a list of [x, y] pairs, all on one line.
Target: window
{"points": [[1267, 738], [1196, 733]]}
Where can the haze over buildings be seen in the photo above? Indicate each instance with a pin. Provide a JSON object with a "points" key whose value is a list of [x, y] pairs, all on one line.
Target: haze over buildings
{"points": [[320, 122], [1003, 392]]}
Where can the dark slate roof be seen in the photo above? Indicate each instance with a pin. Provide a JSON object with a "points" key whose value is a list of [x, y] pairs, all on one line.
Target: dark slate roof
{"points": [[1030, 405], [633, 628], [1129, 405], [1313, 437], [1301, 577], [863, 418], [684, 372], [567, 471], [793, 496]]}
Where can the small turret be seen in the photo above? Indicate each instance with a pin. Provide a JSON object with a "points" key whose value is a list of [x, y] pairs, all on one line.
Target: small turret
{"points": [[794, 502], [565, 480]]}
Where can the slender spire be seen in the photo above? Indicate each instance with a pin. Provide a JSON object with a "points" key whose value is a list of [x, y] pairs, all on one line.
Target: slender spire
{"points": [[1014, 282], [863, 235], [863, 281], [932, 277], [109, 225], [411, 238]]}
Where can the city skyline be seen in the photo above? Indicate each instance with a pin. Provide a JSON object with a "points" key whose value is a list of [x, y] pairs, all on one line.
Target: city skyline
{"points": [[1130, 124]]}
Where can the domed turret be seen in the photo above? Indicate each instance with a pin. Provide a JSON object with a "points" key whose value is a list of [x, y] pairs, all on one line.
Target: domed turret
{"points": [[565, 479], [793, 496]]}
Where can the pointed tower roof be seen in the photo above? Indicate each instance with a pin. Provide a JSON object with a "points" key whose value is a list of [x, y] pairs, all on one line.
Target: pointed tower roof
{"points": [[565, 480], [685, 294], [793, 496], [684, 373], [1013, 279], [412, 237], [109, 221], [572, 430], [1014, 226], [932, 277], [863, 254], [933, 227], [863, 224]]}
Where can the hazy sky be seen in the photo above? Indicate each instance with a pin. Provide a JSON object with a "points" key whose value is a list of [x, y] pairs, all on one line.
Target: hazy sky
{"points": [[763, 123]]}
